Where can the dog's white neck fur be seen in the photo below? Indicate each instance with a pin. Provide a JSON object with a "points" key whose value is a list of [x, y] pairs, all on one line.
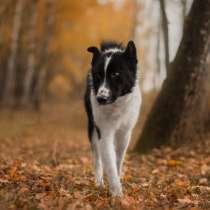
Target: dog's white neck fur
{"points": [[115, 111]]}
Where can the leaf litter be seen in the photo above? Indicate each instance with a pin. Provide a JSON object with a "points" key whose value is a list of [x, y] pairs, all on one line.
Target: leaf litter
{"points": [[164, 179]]}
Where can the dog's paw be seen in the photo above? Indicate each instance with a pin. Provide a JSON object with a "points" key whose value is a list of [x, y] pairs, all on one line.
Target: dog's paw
{"points": [[116, 190], [99, 182]]}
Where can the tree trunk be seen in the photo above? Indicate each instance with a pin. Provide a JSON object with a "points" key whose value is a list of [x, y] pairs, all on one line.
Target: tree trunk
{"points": [[44, 54], [165, 33], [158, 60], [178, 115], [31, 63], [9, 89], [184, 10], [4, 9], [135, 18], [39, 88]]}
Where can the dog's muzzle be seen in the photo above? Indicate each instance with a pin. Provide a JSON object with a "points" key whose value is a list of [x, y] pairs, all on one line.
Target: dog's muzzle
{"points": [[102, 100], [103, 96]]}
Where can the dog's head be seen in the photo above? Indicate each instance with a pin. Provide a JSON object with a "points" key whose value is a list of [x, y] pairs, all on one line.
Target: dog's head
{"points": [[113, 71]]}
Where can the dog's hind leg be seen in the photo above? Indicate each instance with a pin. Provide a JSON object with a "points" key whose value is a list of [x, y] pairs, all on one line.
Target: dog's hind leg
{"points": [[97, 161]]}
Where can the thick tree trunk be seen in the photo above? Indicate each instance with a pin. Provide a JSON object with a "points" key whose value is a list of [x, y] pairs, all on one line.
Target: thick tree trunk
{"points": [[165, 33], [179, 113], [9, 90], [31, 63]]}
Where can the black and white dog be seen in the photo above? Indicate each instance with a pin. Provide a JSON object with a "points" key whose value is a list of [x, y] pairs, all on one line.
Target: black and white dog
{"points": [[112, 102]]}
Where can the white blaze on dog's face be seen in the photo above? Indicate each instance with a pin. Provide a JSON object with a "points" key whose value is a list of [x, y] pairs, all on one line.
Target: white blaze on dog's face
{"points": [[113, 72], [104, 91]]}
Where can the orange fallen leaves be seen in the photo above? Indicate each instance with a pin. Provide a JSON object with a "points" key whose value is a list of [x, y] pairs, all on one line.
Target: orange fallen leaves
{"points": [[164, 179], [184, 200], [181, 183], [24, 190], [173, 163]]}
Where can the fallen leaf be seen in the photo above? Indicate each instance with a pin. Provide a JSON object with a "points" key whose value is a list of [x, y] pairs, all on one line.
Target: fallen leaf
{"points": [[184, 201], [173, 163]]}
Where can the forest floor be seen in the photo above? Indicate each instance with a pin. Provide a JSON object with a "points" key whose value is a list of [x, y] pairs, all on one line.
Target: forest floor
{"points": [[45, 163]]}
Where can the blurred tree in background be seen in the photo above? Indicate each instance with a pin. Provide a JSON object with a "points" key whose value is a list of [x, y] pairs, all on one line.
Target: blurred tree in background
{"points": [[43, 45], [26, 31]]}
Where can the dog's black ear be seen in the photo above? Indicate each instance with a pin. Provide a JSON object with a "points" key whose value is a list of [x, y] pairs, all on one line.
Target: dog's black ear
{"points": [[96, 54], [130, 51]]}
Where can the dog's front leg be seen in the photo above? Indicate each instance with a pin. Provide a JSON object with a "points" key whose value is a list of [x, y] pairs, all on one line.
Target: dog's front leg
{"points": [[122, 140], [97, 160], [108, 155]]}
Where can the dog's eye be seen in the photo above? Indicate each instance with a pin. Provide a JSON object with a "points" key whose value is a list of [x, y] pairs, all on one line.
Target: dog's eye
{"points": [[115, 74]]}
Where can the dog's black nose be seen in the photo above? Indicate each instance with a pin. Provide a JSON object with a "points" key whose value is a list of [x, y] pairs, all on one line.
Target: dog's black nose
{"points": [[102, 100]]}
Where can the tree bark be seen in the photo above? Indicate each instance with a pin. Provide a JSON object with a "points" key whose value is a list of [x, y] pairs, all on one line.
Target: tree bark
{"points": [[31, 63], [178, 114], [9, 89], [165, 33]]}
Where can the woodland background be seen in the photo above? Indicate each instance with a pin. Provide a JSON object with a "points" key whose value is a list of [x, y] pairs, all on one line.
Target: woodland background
{"points": [[45, 160]]}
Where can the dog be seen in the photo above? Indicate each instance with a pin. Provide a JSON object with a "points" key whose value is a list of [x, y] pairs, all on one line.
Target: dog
{"points": [[112, 103]]}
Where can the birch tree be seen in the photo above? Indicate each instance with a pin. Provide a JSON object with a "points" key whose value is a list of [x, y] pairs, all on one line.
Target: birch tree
{"points": [[44, 53], [9, 89], [31, 62]]}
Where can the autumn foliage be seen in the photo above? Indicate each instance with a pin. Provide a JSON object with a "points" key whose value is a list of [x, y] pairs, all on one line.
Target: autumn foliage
{"points": [[44, 42]]}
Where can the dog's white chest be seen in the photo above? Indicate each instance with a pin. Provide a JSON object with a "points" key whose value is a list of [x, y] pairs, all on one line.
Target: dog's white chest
{"points": [[124, 111]]}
